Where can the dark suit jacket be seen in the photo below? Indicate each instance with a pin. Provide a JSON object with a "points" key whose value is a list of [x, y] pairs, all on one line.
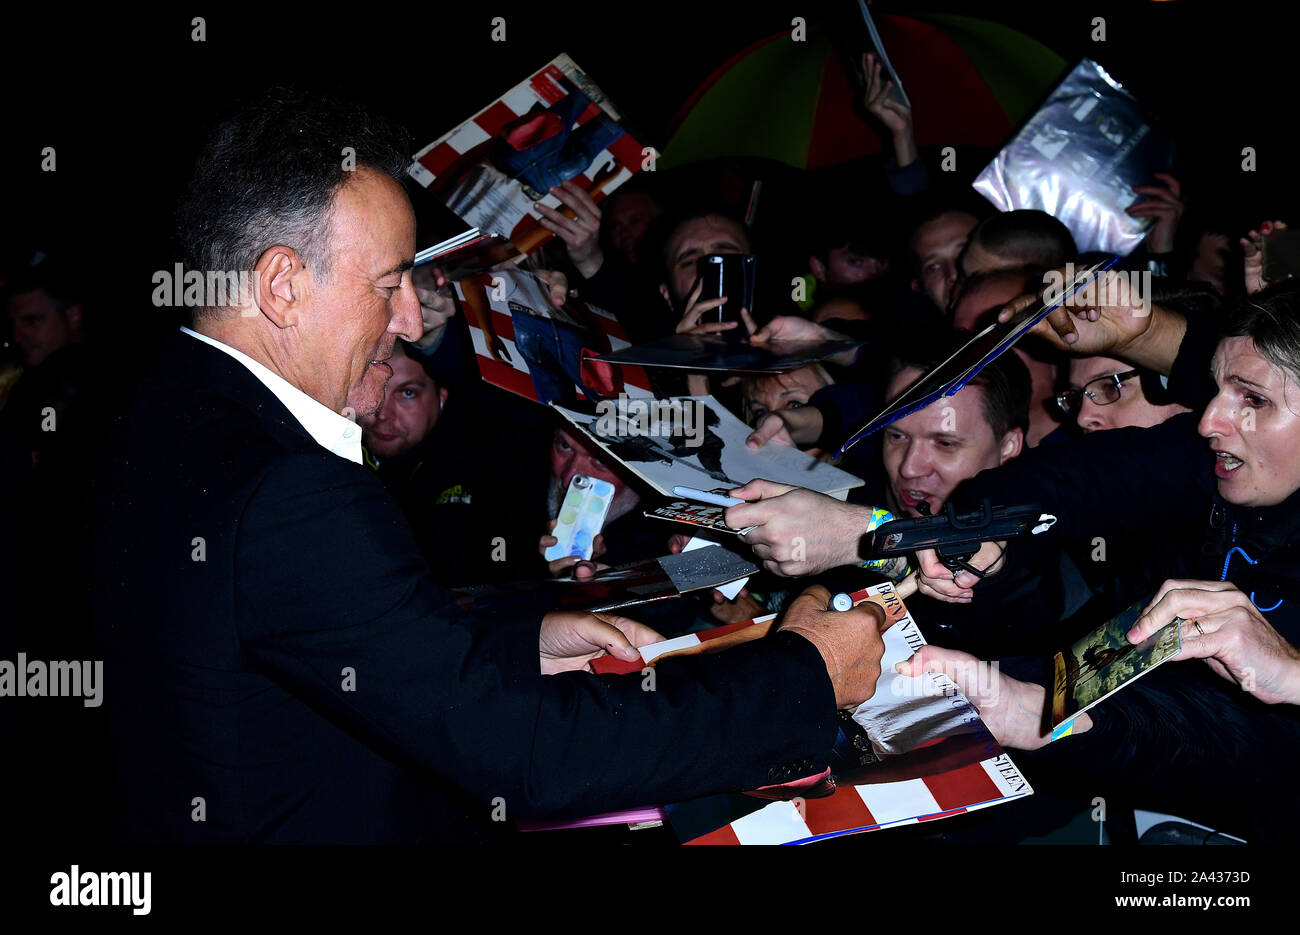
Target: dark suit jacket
{"points": [[305, 678]]}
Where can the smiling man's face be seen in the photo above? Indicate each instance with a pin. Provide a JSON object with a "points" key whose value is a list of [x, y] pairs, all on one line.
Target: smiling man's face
{"points": [[928, 453], [355, 312], [412, 405]]}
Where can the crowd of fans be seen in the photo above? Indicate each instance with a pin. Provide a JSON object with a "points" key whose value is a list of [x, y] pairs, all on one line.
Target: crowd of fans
{"points": [[1170, 485]]}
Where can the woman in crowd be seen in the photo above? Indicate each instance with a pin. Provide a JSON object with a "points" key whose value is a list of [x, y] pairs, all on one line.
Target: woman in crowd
{"points": [[1181, 733]]}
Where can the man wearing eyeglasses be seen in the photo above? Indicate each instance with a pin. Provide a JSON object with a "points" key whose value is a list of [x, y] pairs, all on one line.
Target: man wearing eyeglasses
{"points": [[1106, 393]]}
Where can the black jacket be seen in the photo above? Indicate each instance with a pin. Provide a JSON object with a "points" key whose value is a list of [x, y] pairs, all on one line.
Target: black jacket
{"points": [[302, 679], [1180, 737]]}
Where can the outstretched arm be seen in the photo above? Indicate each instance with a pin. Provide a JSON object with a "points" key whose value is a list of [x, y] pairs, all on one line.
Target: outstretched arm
{"points": [[330, 578]]}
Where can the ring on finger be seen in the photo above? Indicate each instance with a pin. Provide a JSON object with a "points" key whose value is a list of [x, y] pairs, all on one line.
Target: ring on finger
{"points": [[1197, 624]]}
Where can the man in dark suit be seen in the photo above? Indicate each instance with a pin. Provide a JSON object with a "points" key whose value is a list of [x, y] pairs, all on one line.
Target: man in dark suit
{"points": [[280, 666]]}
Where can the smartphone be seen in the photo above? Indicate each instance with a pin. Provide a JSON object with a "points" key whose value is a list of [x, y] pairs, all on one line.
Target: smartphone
{"points": [[582, 515], [732, 275], [1281, 255]]}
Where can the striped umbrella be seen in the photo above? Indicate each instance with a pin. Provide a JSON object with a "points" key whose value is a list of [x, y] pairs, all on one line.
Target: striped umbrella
{"points": [[970, 82]]}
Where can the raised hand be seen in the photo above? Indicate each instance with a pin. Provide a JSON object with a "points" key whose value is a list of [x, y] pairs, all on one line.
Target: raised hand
{"points": [[1164, 203], [888, 109], [695, 310], [1252, 247], [437, 304], [557, 285], [771, 428], [578, 226], [796, 329], [790, 427], [791, 328], [1109, 319]]}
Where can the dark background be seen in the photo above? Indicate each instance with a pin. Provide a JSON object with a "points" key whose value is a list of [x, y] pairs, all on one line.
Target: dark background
{"points": [[126, 98]]}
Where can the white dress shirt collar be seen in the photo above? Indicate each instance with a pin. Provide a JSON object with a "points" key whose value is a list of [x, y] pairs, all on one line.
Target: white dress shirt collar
{"points": [[333, 432]]}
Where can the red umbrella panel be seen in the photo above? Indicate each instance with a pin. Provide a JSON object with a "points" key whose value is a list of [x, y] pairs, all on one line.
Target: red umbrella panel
{"points": [[970, 81]]}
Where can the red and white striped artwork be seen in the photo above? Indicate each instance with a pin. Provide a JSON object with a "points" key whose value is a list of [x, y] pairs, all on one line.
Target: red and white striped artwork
{"points": [[457, 169], [490, 318]]}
